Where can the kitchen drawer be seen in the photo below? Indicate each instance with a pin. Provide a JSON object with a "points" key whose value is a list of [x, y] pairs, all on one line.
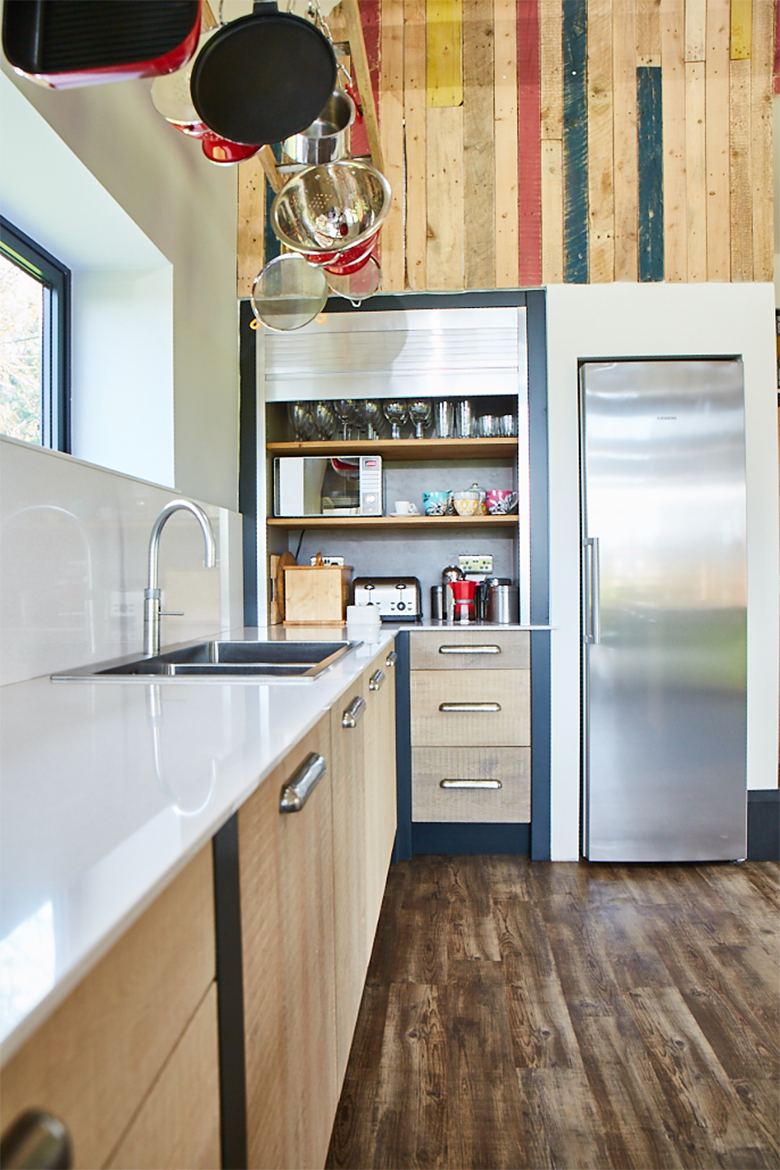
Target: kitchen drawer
{"points": [[491, 708], [508, 804], [483, 648]]}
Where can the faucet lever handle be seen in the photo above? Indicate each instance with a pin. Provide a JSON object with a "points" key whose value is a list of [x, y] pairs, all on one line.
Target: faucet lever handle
{"points": [[171, 613]]}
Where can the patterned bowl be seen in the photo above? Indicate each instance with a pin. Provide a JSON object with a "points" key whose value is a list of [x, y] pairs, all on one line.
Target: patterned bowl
{"points": [[435, 503], [499, 502]]}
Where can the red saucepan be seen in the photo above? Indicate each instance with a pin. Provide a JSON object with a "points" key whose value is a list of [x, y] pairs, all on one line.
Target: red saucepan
{"points": [[87, 42]]}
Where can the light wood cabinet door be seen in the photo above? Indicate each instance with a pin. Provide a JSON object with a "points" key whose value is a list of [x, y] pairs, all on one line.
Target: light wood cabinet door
{"points": [[94, 1060], [477, 648], [486, 785], [380, 772], [178, 1123], [350, 861], [286, 875]]}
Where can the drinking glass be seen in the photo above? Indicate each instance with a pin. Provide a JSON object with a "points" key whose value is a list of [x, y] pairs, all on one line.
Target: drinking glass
{"points": [[508, 426], [420, 415], [301, 417], [443, 417], [465, 419], [395, 413]]}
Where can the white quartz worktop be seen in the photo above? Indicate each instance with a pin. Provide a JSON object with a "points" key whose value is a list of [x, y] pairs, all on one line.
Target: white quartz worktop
{"points": [[108, 789]]}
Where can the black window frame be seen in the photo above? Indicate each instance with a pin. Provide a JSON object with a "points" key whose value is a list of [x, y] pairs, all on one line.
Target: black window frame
{"points": [[55, 279]]}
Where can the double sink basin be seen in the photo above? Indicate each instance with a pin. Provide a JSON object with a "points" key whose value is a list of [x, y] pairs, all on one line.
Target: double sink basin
{"points": [[216, 660]]}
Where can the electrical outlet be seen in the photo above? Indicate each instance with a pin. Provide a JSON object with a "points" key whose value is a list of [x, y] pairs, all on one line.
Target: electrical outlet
{"points": [[476, 563]]}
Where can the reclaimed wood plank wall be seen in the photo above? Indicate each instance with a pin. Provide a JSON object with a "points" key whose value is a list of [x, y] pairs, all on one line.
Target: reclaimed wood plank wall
{"points": [[531, 142]]}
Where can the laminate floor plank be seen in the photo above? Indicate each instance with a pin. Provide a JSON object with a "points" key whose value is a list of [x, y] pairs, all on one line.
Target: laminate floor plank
{"points": [[566, 1015], [472, 928]]}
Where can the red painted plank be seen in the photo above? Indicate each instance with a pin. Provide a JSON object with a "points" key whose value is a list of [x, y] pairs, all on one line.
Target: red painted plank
{"points": [[370, 18], [529, 146]]}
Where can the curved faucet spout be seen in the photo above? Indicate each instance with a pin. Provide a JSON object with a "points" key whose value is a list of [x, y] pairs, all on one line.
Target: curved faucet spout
{"points": [[152, 610]]}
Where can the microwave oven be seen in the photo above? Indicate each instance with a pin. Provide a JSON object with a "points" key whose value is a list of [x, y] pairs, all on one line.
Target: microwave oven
{"points": [[336, 486]]}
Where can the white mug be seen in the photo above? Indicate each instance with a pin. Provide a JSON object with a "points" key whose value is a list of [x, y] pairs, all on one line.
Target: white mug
{"points": [[406, 508]]}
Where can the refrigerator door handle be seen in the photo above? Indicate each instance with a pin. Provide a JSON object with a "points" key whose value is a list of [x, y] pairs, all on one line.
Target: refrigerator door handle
{"points": [[591, 618]]}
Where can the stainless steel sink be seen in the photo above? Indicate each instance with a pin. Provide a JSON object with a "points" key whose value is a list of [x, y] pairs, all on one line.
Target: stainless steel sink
{"points": [[217, 660]]}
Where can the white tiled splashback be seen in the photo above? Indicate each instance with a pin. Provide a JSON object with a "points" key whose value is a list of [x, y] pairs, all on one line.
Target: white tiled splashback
{"points": [[73, 562]]}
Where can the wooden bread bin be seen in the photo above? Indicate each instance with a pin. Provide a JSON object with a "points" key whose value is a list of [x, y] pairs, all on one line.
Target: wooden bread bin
{"points": [[316, 595]]}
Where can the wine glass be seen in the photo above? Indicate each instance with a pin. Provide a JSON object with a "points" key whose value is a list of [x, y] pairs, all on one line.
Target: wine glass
{"points": [[300, 416], [372, 413], [395, 413], [345, 411], [420, 415], [324, 420]]}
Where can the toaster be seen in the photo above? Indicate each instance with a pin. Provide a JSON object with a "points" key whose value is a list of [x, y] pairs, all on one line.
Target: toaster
{"points": [[398, 598]]}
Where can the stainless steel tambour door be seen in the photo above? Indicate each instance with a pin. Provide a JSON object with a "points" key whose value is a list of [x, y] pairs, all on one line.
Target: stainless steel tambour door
{"points": [[664, 610]]}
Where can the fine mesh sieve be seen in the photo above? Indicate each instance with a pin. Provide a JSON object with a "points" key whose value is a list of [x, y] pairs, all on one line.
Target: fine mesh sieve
{"points": [[288, 293]]}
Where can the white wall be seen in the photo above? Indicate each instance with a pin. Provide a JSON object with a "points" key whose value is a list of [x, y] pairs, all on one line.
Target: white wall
{"points": [[629, 320], [74, 542], [159, 205]]}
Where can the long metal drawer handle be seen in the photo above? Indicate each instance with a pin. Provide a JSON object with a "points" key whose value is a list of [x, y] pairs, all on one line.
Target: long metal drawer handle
{"points": [[36, 1139], [299, 787], [469, 649], [470, 784], [376, 680], [470, 707], [391, 659], [353, 712]]}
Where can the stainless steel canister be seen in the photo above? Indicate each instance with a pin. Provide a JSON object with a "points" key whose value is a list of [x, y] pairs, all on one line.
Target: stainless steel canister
{"points": [[438, 603], [504, 604]]}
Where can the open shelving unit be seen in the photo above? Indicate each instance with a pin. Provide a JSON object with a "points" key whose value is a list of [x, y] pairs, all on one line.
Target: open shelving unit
{"points": [[416, 522], [401, 450]]}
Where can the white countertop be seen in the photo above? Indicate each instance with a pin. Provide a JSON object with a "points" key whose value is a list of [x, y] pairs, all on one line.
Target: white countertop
{"points": [[107, 790]]}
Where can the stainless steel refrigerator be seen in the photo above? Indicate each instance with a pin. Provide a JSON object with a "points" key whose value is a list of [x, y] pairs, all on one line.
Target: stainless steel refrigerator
{"points": [[664, 592]]}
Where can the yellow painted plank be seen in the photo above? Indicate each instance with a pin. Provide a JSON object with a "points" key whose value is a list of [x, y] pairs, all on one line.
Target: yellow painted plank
{"points": [[551, 63], [673, 98], [601, 205], [444, 52], [505, 139], [444, 190], [251, 223], [695, 171], [741, 21], [761, 169], [626, 180], [391, 135], [414, 114], [695, 29], [478, 146], [740, 177], [648, 27], [717, 140], [552, 211]]}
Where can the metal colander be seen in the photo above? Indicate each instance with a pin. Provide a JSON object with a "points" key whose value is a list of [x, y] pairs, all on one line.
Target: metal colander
{"points": [[329, 208]]}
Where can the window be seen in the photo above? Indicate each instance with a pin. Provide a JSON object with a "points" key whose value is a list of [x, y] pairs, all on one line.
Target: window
{"points": [[34, 342]]}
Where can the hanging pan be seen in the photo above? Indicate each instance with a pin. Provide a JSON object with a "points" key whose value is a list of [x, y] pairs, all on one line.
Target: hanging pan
{"points": [[263, 77]]}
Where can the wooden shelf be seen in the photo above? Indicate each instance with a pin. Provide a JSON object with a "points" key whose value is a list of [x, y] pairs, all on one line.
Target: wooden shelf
{"points": [[427, 522], [403, 450]]}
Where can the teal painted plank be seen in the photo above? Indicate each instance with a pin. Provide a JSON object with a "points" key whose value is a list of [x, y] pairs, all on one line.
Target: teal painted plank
{"points": [[575, 141], [651, 173]]}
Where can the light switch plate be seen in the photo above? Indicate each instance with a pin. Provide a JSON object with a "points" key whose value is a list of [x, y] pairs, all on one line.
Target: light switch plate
{"points": [[476, 563]]}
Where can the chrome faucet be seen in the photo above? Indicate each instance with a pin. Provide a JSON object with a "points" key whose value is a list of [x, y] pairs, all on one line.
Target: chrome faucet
{"points": [[152, 611]]}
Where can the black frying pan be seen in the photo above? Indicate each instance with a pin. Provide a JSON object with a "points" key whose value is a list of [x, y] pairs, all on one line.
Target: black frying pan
{"points": [[263, 77]]}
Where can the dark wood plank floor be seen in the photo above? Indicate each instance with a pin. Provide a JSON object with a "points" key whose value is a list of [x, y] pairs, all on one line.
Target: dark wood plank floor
{"points": [[523, 1014]]}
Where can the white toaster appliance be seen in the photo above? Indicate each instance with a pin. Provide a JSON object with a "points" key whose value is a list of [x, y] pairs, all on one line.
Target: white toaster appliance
{"points": [[398, 598]]}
